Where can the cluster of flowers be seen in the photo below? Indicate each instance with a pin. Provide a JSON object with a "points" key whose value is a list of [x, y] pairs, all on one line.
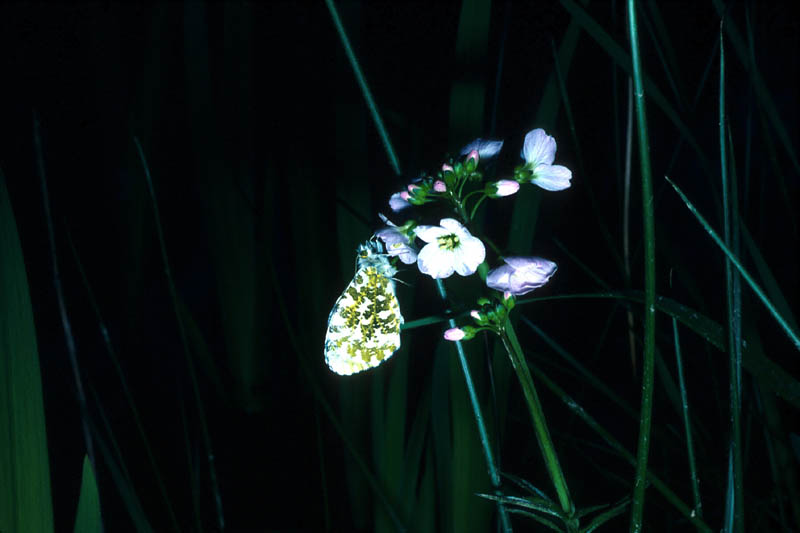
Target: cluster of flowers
{"points": [[450, 247]]}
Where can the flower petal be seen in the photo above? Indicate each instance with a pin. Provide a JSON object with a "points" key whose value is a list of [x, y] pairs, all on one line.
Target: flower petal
{"points": [[430, 233], [506, 187], [499, 278], [486, 148], [454, 226], [539, 264], [397, 202], [469, 255], [552, 177], [539, 147], [435, 262]]}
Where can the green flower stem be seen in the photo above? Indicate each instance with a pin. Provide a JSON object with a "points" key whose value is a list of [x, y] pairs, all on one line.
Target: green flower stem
{"points": [[658, 484], [494, 476], [477, 204], [514, 350], [648, 236]]}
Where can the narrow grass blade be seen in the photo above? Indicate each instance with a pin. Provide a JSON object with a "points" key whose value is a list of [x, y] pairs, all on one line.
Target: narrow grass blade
{"points": [[231, 227], [62, 307], [494, 476], [734, 312], [793, 336], [604, 517], [129, 498], [534, 504], [645, 413], [546, 446], [762, 92], [25, 503], [771, 286], [112, 354], [656, 482], [623, 60], [769, 374], [593, 381], [687, 426], [87, 519], [362, 83], [184, 342]]}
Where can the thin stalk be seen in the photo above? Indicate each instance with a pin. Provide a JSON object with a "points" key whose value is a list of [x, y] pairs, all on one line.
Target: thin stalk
{"points": [[643, 449], [494, 475], [72, 351], [657, 483], [687, 426], [626, 217], [362, 83], [793, 336], [520, 366], [182, 331], [734, 332], [112, 354]]}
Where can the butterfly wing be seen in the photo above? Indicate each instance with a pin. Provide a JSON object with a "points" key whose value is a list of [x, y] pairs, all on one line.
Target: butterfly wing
{"points": [[364, 325]]}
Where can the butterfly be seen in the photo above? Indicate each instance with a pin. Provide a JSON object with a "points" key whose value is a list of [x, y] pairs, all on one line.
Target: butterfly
{"points": [[364, 324]]}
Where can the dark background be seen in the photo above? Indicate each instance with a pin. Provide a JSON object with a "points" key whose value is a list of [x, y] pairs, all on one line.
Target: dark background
{"points": [[257, 100]]}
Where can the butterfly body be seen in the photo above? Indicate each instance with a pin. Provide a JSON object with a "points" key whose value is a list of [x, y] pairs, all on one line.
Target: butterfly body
{"points": [[364, 324]]}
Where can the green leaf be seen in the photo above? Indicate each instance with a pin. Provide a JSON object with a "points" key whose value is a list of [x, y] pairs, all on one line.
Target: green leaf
{"points": [[88, 518], [770, 375], [534, 504], [602, 518], [25, 503]]}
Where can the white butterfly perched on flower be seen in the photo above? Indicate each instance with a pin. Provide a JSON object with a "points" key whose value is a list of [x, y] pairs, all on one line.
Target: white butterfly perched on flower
{"points": [[364, 324]]}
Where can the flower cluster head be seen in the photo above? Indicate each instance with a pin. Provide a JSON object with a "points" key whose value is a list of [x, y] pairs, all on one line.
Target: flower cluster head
{"points": [[450, 247]]}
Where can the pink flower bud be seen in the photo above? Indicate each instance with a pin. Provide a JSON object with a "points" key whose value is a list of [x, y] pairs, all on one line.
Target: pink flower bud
{"points": [[475, 314], [506, 187], [454, 334], [405, 196], [447, 168], [474, 155], [411, 187], [439, 186]]}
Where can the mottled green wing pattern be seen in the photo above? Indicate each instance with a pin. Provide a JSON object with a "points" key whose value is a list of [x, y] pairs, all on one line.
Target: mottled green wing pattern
{"points": [[364, 325]]}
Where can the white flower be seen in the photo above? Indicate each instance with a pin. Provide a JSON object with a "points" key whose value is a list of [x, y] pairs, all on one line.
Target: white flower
{"points": [[451, 248], [539, 151], [397, 243], [485, 148], [520, 275]]}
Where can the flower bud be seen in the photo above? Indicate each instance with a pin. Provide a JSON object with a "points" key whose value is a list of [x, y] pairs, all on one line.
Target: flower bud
{"points": [[504, 188], [439, 186], [454, 334]]}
